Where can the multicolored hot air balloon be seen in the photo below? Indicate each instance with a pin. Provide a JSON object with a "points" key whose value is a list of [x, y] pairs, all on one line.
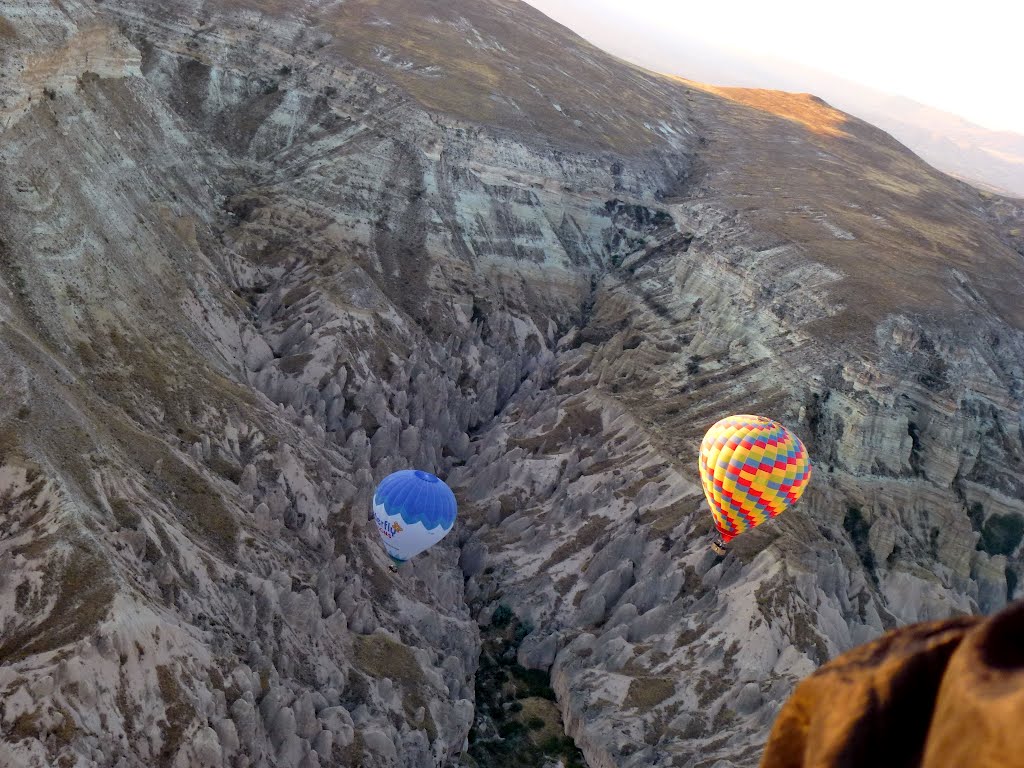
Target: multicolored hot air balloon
{"points": [[413, 510], [751, 468]]}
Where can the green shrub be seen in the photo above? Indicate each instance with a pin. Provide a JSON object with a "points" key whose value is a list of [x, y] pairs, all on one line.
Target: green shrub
{"points": [[1002, 533], [502, 616], [857, 529]]}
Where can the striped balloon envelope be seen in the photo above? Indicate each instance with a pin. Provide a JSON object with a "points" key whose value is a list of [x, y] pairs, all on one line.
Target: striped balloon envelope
{"points": [[751, 468]]}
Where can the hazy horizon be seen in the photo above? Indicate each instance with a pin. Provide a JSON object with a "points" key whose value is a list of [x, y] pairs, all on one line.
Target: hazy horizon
{"points": [[960, 63]]}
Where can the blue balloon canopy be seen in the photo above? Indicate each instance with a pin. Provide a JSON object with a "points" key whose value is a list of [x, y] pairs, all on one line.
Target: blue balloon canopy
{"points": [[417, 497]]}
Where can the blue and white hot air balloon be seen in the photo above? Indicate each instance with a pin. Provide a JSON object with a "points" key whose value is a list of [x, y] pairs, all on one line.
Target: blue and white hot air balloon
{"points": [[413, 510]]}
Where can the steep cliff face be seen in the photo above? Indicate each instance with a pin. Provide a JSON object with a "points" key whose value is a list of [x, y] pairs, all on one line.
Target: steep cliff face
{"points": [[255, 256]]}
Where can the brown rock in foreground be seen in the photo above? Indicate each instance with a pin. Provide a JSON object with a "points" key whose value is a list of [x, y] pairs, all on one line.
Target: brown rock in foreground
{"points": [[942, 693]]}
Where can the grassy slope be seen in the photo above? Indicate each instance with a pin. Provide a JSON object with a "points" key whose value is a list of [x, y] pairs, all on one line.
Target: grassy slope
{"points": [[791, 158], [502, 63]]}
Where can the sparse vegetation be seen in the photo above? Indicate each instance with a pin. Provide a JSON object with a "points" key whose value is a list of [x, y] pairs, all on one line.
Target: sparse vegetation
{"points": [[776, 599], [1001, 534], [518, 723], [475, 52], [79, 585], [723, 719], [583, 538], [380, 656], [857, 529], [933, 376], [351, 754], [21, 595], [168, 477], [690, 635], [178, 711], [502, 616], [801, 108], [25, 726], [752, 543], [67, 730], [125, 514], [9, 443], [646, 693], [295, 363], [225, 466], [577, 422], [124, 705], [976, 513], [664, 519]]}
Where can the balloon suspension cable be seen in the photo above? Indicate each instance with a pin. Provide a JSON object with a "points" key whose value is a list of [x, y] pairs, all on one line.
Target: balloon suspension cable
{"points": [[719, 547]]}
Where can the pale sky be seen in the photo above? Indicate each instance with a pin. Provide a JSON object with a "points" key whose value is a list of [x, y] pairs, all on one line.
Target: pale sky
{"points": [[962, 57]]}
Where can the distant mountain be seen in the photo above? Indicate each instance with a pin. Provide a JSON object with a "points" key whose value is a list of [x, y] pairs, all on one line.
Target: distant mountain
{"points": [[987, 158], [991, 159]]}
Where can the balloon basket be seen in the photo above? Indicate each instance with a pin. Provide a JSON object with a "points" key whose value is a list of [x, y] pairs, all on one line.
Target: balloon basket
{"points": [[719, 548]]}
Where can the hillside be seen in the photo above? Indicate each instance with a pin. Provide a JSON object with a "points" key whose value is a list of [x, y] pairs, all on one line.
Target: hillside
{"points": [[256, 255], [989, 159]]}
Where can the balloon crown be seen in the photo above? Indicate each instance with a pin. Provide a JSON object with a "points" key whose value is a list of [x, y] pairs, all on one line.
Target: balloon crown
{"points": [[417, 497]]}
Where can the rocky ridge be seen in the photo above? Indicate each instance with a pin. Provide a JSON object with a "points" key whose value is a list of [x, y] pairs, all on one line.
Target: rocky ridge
{"points": [[253, 257]]}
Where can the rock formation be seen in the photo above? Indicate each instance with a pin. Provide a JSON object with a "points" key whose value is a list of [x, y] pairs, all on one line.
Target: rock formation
{"points": [[255, 256]]}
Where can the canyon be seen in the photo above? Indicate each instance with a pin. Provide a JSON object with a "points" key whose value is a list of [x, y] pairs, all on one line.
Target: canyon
{"points": [[255, 256]]}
